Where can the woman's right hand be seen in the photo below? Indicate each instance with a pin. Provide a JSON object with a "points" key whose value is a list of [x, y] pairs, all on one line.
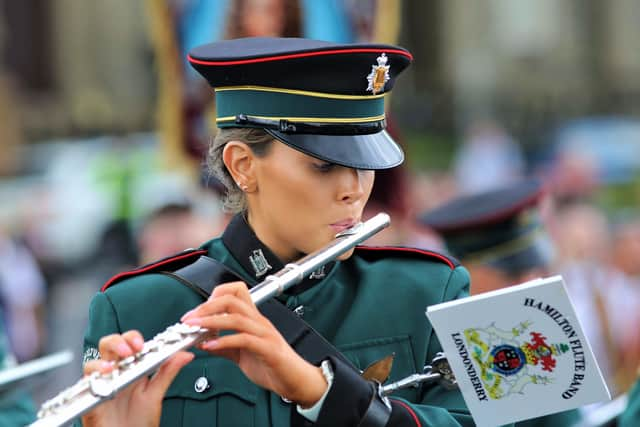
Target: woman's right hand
{"points": [[140, 404], [256, 345]]}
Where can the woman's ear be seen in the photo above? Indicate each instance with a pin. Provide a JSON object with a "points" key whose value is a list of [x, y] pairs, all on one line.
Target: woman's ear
{"points": [[240, 162]]}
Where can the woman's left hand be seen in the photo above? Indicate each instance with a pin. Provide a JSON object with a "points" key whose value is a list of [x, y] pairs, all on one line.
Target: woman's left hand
{"points": [[257, 347]]}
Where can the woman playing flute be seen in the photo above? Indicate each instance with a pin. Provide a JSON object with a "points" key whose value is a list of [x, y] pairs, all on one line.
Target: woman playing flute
{"points": [[301, 134]]}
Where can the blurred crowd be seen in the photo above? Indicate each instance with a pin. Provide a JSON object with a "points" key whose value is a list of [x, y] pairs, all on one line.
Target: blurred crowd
{"points": [[92, 213]]}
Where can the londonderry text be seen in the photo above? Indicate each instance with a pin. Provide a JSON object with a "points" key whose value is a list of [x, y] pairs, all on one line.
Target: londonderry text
{"points": [[468, 364]]}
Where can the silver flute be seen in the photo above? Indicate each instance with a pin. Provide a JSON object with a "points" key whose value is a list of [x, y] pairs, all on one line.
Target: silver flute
{"points": [[96, 388], [438, 371]]}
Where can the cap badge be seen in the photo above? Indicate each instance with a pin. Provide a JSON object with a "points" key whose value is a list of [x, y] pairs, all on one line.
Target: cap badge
{"points": [[259, 262], [379, 75]]}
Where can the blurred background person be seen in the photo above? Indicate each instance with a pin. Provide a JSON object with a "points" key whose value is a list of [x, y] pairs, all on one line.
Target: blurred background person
{"points": [[22, 298], [391, 194], [500, 236], [173, 228], [488, 144], [16, 408], [626, 259], [498, 233], [605, 297], [264, 18], [116, 176]]}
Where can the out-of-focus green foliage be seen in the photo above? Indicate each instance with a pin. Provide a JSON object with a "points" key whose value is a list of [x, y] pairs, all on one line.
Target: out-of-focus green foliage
{"points": [[427, 151]]}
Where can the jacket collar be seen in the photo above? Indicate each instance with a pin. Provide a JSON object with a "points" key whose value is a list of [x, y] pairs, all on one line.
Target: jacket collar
{"points": [[258, 260]]}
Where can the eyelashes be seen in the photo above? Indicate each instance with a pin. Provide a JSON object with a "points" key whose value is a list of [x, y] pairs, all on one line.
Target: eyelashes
{"points": [[323, 167]]}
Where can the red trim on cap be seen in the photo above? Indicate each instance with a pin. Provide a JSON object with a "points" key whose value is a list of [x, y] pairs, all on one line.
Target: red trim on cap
{"points": [[411, 250], [149, 267], [298, 55], [411, 411]]}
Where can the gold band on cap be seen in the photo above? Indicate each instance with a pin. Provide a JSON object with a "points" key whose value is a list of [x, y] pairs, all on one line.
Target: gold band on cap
{"points": [[505, 249], [297, 92]]}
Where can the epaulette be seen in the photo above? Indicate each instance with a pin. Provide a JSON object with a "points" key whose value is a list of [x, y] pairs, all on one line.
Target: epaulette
{"points": [[379, 252], [170, 263]]}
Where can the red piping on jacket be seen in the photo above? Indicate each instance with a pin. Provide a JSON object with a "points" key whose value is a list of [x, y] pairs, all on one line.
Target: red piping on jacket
{"points": [[149, 267], [411, 412], [415, 250]]}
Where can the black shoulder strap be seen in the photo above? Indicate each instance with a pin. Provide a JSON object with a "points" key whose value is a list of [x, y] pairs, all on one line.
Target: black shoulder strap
{"points": [[206, 273]]}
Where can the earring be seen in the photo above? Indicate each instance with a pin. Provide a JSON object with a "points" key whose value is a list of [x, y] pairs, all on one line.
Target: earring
{"points": [[243, 187]]}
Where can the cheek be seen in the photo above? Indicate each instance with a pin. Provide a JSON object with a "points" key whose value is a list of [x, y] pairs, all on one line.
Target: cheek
{"points": [[293, 192], [367, 178]]}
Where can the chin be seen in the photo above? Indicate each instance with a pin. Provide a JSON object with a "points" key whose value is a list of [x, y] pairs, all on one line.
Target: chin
{"points": [[346, 255]]}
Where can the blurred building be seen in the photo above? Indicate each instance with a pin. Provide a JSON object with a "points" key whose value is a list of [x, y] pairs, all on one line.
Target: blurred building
{"points": [[530, 63], [81, 66]]}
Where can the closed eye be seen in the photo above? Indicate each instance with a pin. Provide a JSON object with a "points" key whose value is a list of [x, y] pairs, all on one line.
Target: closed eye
{"points": [[323, 167]]}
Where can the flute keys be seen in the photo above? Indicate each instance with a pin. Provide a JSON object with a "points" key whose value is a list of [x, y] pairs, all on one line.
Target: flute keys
{"points": [[175, 333], [185, 329], [168, 337], [100, 387], [76, 399], [149, 347], [125, 363]]}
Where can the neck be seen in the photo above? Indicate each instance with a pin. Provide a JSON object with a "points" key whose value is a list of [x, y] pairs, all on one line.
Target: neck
{"points": [[283, 252]]}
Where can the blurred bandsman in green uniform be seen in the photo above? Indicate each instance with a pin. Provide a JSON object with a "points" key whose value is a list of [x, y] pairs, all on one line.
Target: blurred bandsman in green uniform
{"points": [[631, 415], [500, 237], [16, 408], [302, 132], [499, 234]]}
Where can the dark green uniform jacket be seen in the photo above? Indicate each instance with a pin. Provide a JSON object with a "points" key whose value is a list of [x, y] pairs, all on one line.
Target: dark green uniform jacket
{"points": [[16, 408], [369, 306]]}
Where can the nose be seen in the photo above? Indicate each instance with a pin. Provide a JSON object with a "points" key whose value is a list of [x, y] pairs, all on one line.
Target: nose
{"points": [[351, 187]]}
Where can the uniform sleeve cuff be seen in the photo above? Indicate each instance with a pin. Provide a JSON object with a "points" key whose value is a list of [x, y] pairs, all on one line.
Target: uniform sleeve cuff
{"points": [[312, 413], [348, 398]]}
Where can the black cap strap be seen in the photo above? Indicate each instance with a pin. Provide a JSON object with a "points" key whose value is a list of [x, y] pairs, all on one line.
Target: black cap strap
{"points": [[287, 126]]}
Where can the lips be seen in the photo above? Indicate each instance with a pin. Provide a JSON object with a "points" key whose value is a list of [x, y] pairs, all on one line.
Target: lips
{"points": [[343, 225]]}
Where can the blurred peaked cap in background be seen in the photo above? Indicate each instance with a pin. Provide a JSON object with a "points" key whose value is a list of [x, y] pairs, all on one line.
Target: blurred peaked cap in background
{"points": [[321, 98], [501, 228]]}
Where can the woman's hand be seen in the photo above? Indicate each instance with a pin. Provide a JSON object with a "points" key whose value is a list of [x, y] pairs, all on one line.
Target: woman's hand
{"points": [[140, 404], [256, 346]]}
